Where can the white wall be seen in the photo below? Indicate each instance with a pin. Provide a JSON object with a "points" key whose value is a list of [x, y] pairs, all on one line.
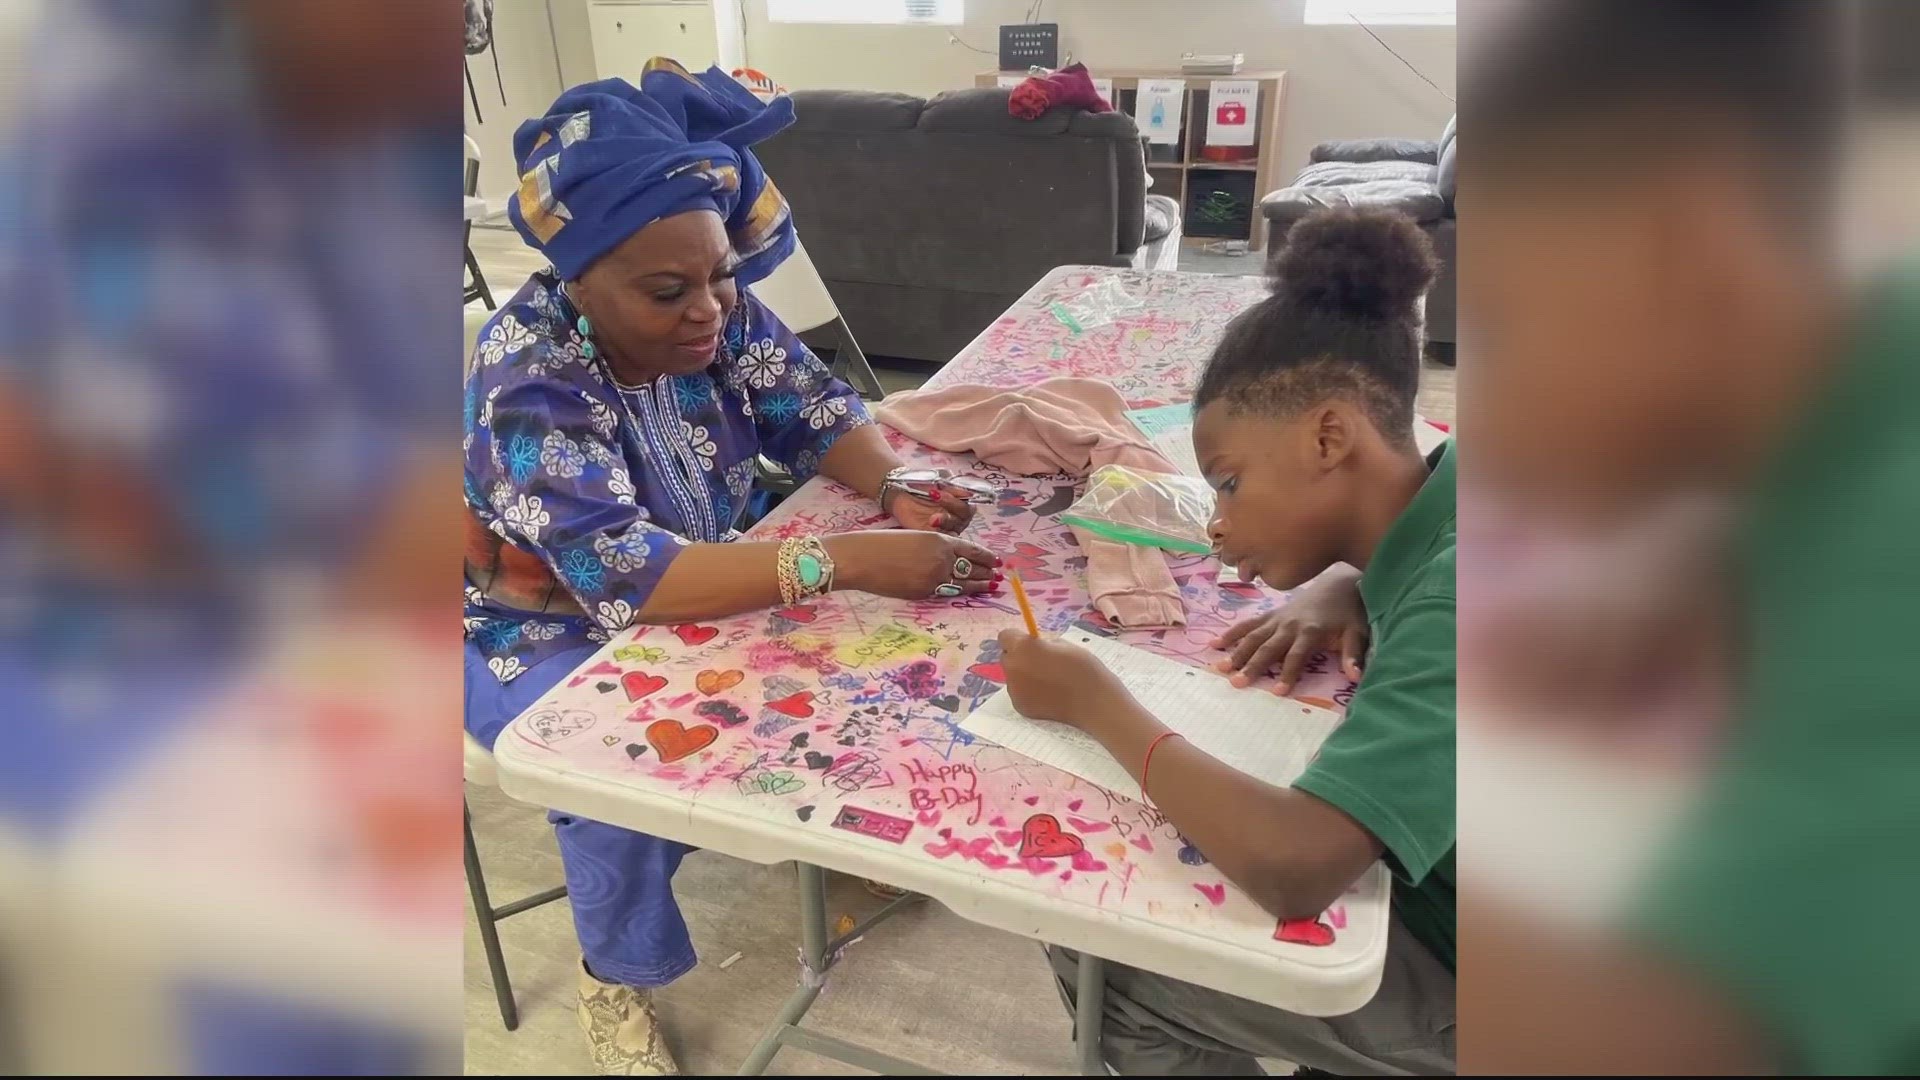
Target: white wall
{"points": [[1341, 83], [526, 48]]}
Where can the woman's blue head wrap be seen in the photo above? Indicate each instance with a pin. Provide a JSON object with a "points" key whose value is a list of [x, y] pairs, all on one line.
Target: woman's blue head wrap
{"points": [[610, 158]]}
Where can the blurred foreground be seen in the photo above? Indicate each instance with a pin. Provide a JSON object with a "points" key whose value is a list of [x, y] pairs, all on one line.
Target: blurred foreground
{"points": [[1690, 398], [228, 650]]}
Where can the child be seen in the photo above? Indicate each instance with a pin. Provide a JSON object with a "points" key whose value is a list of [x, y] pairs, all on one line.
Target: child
{"points": [[1304, 425]]}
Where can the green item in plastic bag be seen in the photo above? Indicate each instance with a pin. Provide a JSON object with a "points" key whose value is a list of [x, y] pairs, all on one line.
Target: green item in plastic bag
{"points": [[1150, 509]]}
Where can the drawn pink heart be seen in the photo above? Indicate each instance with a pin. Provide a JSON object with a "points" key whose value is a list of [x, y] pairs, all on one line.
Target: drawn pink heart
{"points": [[1086, 826], [1141, 842], [1216, 893], [1009, 837], [604, 667], [1033, 800]]}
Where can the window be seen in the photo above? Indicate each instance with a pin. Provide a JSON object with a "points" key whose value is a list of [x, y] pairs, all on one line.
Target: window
{"points": [[1380, 12], [937, 12]]}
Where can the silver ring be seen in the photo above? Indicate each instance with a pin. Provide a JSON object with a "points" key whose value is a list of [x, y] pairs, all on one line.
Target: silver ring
{"points": [[962, 567], [948, 590]]}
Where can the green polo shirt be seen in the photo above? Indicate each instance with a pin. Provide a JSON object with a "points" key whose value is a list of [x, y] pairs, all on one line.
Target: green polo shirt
{"points": [[1389, 765], [1792, 887]]}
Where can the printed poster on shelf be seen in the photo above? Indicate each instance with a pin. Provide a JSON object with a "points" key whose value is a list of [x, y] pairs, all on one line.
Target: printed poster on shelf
{"points": [[1156, 111], [1232, 111]]}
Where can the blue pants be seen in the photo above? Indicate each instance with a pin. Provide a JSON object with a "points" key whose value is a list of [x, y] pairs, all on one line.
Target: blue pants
{"points": [[619, 882]]}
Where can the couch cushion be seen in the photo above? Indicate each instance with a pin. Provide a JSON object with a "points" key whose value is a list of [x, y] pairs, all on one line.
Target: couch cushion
{"points": [[1418, 200], [855, 110], [1163, 216], [1332, 173], [1416, 150], [983, 111]]}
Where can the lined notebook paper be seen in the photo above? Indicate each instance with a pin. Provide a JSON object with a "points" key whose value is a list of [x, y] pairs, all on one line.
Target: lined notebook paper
{"points": [[1270, 737]]}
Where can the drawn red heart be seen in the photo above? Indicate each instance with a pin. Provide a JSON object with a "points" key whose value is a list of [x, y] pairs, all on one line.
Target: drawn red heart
{"points": [[989, 671], [1042, 838], [639, 684], [695, 635], [673, 740], [1304, 932], [799, 706], [798, 614]]}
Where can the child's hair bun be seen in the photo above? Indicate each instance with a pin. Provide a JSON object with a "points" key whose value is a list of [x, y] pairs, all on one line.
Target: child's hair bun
{"points": [[1369, 264]]}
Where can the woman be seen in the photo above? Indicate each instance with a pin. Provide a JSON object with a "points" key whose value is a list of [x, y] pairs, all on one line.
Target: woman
{"points": [[615, 409]]}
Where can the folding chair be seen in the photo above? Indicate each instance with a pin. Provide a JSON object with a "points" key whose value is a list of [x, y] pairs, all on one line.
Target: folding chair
{"points": [[472, 208], [795, 293], [480, 770]]}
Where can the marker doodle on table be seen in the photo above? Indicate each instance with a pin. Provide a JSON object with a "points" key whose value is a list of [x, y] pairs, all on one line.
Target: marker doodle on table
{"points": [[639, 684], [1304, 932], [692, 635], [711, 682], [872, 823], [887, 643], [723, 713], [920, 679], [1043, 838], [673, 740], [554, 725], [859, 770]]}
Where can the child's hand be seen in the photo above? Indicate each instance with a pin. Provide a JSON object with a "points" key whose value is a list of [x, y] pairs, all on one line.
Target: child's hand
{"points": [[1052, 680], [1325, 614]]}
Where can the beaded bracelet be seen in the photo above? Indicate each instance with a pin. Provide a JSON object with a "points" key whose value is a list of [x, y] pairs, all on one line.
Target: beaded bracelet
{"points": [[804, 569]]}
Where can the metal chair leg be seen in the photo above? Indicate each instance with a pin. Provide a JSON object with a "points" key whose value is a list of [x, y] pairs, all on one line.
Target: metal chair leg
{"points": [[489, 932], [851, 364], [479, 287]]}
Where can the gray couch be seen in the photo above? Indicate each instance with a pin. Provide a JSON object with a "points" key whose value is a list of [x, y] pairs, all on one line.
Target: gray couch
{"points": [[1412, 176], [928, 217]]}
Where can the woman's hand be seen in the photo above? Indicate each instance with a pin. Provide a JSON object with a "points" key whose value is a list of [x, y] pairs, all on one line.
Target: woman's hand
{"points": [[949, 515], [1052, 680], [910, 565], [1325, 614]]}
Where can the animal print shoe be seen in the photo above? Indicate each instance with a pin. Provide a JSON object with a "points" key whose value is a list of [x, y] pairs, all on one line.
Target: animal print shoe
{"points": [[621, 1029]]}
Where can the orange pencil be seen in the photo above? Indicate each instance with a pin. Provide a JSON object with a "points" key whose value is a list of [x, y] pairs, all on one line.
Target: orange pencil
{"points": [[1026, 608]]}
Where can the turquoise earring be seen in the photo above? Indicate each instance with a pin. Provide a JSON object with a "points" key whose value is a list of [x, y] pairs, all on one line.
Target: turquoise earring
{"points": [[586, 331]]}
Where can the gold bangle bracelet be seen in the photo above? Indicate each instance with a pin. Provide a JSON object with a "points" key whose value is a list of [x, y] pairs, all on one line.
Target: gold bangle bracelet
{"points": [[804, 569]]}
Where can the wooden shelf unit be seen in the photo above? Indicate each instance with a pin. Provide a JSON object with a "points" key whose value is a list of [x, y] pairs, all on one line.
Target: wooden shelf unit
{"points": [[1185, 159]]}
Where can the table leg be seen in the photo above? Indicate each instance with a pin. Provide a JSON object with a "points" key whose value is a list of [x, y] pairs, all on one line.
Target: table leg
{"points": [[1090, 998], [813, 968]]}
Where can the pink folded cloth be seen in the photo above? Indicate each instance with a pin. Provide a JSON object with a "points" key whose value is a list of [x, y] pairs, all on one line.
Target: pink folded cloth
{"points": [[1057, 425]]}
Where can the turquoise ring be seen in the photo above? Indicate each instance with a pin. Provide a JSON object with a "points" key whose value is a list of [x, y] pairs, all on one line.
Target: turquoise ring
{"points": [[948, 590]]}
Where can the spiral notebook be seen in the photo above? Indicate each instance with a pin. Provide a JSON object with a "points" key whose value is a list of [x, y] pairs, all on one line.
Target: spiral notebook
{"points": [[1272, 738]]}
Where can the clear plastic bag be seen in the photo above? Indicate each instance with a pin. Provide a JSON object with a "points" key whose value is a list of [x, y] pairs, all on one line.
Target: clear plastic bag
{"points": [[1152, 509], [1096, 306]]}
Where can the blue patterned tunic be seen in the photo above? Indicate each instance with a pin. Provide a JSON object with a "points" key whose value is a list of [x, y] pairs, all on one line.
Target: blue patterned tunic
{"points": [[606, 482]]}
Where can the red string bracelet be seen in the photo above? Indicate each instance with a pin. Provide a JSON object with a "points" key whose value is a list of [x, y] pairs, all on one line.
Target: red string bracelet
{"points": [[1146, 766]]}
